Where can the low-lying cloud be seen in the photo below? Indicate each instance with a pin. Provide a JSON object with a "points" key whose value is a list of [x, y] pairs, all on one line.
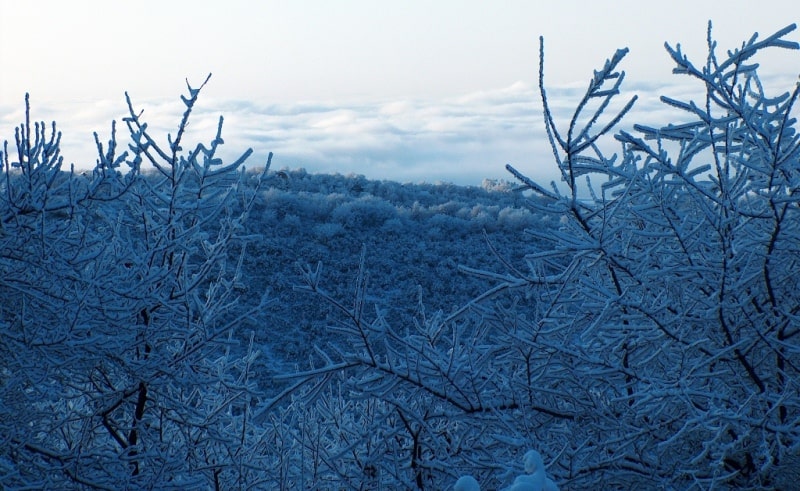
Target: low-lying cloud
{"points": [[461, 140]]}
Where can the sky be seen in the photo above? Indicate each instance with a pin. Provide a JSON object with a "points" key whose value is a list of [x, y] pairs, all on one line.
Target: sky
{"points": [[411, 91]]}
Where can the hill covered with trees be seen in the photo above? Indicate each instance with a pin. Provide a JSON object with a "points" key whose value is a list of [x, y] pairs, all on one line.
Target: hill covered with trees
{"points": [[418, 240]]}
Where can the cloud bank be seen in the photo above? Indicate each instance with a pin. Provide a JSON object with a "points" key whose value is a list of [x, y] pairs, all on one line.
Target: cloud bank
{"points": [[461, 140]]}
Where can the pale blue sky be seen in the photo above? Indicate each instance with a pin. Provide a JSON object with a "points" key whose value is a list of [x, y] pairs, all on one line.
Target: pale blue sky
{"points": [[404, 90]]}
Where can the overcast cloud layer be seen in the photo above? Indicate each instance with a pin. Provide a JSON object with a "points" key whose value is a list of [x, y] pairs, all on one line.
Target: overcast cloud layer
{"points": [[461, 140]]}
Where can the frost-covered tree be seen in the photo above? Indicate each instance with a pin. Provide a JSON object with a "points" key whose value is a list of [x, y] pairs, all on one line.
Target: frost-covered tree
{"points": [[651, 339], [120, 329], [53, 238], [670, 292]]}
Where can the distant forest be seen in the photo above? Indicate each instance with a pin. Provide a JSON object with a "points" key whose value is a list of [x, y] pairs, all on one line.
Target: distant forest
{"points": [[415, 238]]}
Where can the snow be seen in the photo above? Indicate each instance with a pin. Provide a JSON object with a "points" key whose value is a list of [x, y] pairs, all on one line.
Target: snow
{"points": [[467, 483], [534, 479]]}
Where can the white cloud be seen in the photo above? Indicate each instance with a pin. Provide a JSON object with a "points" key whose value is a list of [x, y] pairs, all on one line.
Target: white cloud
{"points": [[462, 139]]}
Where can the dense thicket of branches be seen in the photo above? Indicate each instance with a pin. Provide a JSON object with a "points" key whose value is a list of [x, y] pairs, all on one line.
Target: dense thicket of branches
{"points": [[644, 332]]}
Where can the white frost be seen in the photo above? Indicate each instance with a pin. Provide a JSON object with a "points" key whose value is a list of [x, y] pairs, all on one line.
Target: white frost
{"points": [[467, 483]]}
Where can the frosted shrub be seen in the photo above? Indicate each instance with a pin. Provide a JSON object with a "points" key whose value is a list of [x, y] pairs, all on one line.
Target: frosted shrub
{"points": [[514, 218], [394, 226], [365, 212], [325, 231]]}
